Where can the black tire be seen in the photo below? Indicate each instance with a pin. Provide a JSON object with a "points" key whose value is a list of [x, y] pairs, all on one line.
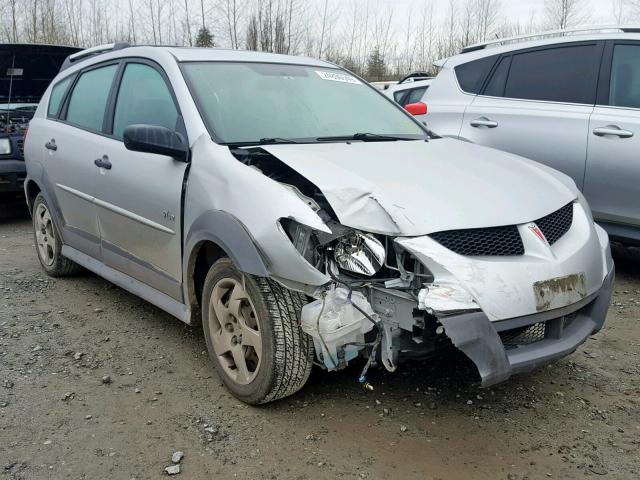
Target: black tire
{"points": [[55, 265], [286, 352]]}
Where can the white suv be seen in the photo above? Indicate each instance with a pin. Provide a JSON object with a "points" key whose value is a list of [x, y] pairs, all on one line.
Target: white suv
{"points": [[569, 99]]}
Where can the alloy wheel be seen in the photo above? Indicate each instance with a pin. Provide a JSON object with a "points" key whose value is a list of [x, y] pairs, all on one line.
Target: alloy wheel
{"points": [[45, 237], [235, 331]]}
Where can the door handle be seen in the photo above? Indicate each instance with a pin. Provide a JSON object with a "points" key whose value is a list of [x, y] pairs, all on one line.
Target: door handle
{"points": [[612, 130], [483, 122], [103, 162], [51, 145]]}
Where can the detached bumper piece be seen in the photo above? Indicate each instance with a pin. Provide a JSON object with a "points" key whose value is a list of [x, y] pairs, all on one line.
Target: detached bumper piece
{"points": [[504, 348]]}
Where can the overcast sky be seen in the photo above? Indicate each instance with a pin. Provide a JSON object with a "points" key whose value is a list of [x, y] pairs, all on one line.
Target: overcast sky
{"points": [[516, 10]]}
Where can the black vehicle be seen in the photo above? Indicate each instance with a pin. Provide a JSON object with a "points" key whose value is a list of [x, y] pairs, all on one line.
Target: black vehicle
{"points": [[25, 73]]}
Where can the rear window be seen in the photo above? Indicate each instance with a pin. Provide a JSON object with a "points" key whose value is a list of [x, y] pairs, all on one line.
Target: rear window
{"points": [[471, 75], [562, 74]]}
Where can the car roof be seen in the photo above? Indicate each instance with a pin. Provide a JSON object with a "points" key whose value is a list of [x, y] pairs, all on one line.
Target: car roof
{"points": [[194, 54], [185, 54], [520, 43]]}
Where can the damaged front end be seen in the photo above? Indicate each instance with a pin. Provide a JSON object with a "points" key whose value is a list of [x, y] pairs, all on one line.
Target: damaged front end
{"points": [[382, 303], [392, 295]]}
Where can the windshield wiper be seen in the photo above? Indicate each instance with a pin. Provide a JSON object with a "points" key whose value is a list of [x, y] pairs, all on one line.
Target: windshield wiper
{"points": [[273, 140], [262, 141], [365, 137]]}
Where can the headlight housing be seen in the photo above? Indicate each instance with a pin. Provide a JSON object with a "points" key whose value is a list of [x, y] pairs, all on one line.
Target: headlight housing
{"points": [[5, 146], [360, 253], [352, 251]]}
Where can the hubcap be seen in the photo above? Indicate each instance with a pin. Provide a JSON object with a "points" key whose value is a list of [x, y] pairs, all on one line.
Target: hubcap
{"points": [[45, 238], [234, 330]]}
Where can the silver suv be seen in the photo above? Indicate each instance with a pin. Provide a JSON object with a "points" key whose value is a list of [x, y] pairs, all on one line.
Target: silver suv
{"points": [[298, 213], [568, 99]]}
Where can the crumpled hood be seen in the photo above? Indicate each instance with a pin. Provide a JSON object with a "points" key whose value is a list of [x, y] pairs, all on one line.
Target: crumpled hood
{"points": [[414, 188]]}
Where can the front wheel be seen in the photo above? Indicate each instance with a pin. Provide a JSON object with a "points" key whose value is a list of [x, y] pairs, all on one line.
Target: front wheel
{"points": [[252, 334]]}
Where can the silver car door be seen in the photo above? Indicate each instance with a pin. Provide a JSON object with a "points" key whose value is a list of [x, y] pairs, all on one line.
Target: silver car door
{"points": [[612, 181], [139, 194], [537, 104], [69, 143]]}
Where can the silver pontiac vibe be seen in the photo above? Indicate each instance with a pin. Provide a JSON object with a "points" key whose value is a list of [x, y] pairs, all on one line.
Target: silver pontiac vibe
{"points": [[300, 216]]}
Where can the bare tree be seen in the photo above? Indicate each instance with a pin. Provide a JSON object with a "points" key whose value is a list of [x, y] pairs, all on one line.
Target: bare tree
{"points": [[561, 14]]}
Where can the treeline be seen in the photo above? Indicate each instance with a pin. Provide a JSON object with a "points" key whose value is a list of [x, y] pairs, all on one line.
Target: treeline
{"points": [[367, 36]]}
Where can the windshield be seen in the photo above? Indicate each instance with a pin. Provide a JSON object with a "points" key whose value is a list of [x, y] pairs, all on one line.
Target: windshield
{"points": [[247, 102]]}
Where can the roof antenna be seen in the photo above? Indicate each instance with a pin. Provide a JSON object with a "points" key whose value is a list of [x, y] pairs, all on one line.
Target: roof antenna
{"points": [[11, 72]]}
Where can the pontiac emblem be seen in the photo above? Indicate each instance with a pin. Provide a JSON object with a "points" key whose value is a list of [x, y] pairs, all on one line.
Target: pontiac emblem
{"points": [[538, 233]]}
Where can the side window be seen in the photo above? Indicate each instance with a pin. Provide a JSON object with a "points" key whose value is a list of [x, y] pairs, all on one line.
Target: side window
{"points": [[399, 95], [89, 98], [143, 97], [57, 94], [405, 97], [495, 87], [624, 88], [414, 96], [471, 75], [560, 74]]}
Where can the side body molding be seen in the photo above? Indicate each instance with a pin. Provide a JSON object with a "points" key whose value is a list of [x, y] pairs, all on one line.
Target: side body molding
{"points": [[229, 234]]}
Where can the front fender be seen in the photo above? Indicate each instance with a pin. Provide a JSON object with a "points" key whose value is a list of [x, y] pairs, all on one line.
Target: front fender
{"points": [[230, 235]]}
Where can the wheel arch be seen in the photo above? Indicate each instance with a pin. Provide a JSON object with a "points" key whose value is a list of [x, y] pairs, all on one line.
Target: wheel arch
{"points": [[31, 191], [214, 235]]}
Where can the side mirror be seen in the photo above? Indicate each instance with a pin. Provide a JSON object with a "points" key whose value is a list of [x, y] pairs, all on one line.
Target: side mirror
{"points": [[418, 108], [155, 139]]}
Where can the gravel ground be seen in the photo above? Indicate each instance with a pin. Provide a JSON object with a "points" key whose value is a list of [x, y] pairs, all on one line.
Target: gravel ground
{"points": [[97, 384]]}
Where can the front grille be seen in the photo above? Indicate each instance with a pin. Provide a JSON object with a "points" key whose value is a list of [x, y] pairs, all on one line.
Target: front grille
{"points": [[503, 241], [493, 241], [519, 337], [556, 224]]}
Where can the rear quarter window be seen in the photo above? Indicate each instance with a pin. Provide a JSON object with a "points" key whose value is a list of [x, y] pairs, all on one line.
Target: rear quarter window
{"points": [[471, 75], [57, 95]]}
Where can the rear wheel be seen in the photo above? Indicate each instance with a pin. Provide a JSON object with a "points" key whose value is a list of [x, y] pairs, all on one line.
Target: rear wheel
{"points": [[48, 243], [252, 334]]}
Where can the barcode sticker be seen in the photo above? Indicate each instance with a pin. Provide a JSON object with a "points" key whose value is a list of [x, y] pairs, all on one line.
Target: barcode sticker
{"points": [[338, 77]]}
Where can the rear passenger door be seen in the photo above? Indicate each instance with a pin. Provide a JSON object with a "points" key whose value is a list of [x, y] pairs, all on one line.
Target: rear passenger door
{"points": [[139, 195], [70, 143], [536, 103], [612, 181]]}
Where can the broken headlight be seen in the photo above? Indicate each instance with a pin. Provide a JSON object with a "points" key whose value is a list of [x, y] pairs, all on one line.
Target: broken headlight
{"points": [[359, 253]]}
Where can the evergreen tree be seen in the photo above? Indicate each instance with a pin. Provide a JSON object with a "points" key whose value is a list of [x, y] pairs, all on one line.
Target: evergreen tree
{"points": [[376, 68], [204, 38]]}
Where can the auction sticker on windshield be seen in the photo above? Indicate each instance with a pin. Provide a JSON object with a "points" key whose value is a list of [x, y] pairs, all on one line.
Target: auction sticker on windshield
{"points": [[337, 77]]}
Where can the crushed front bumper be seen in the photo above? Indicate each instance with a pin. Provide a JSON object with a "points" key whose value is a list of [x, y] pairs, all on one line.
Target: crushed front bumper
{"points": [[543, 336]]}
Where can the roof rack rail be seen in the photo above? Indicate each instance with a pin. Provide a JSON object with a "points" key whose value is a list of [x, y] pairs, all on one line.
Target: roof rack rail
{"points": [[551, 34], [90, 52], [414, 77]]}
